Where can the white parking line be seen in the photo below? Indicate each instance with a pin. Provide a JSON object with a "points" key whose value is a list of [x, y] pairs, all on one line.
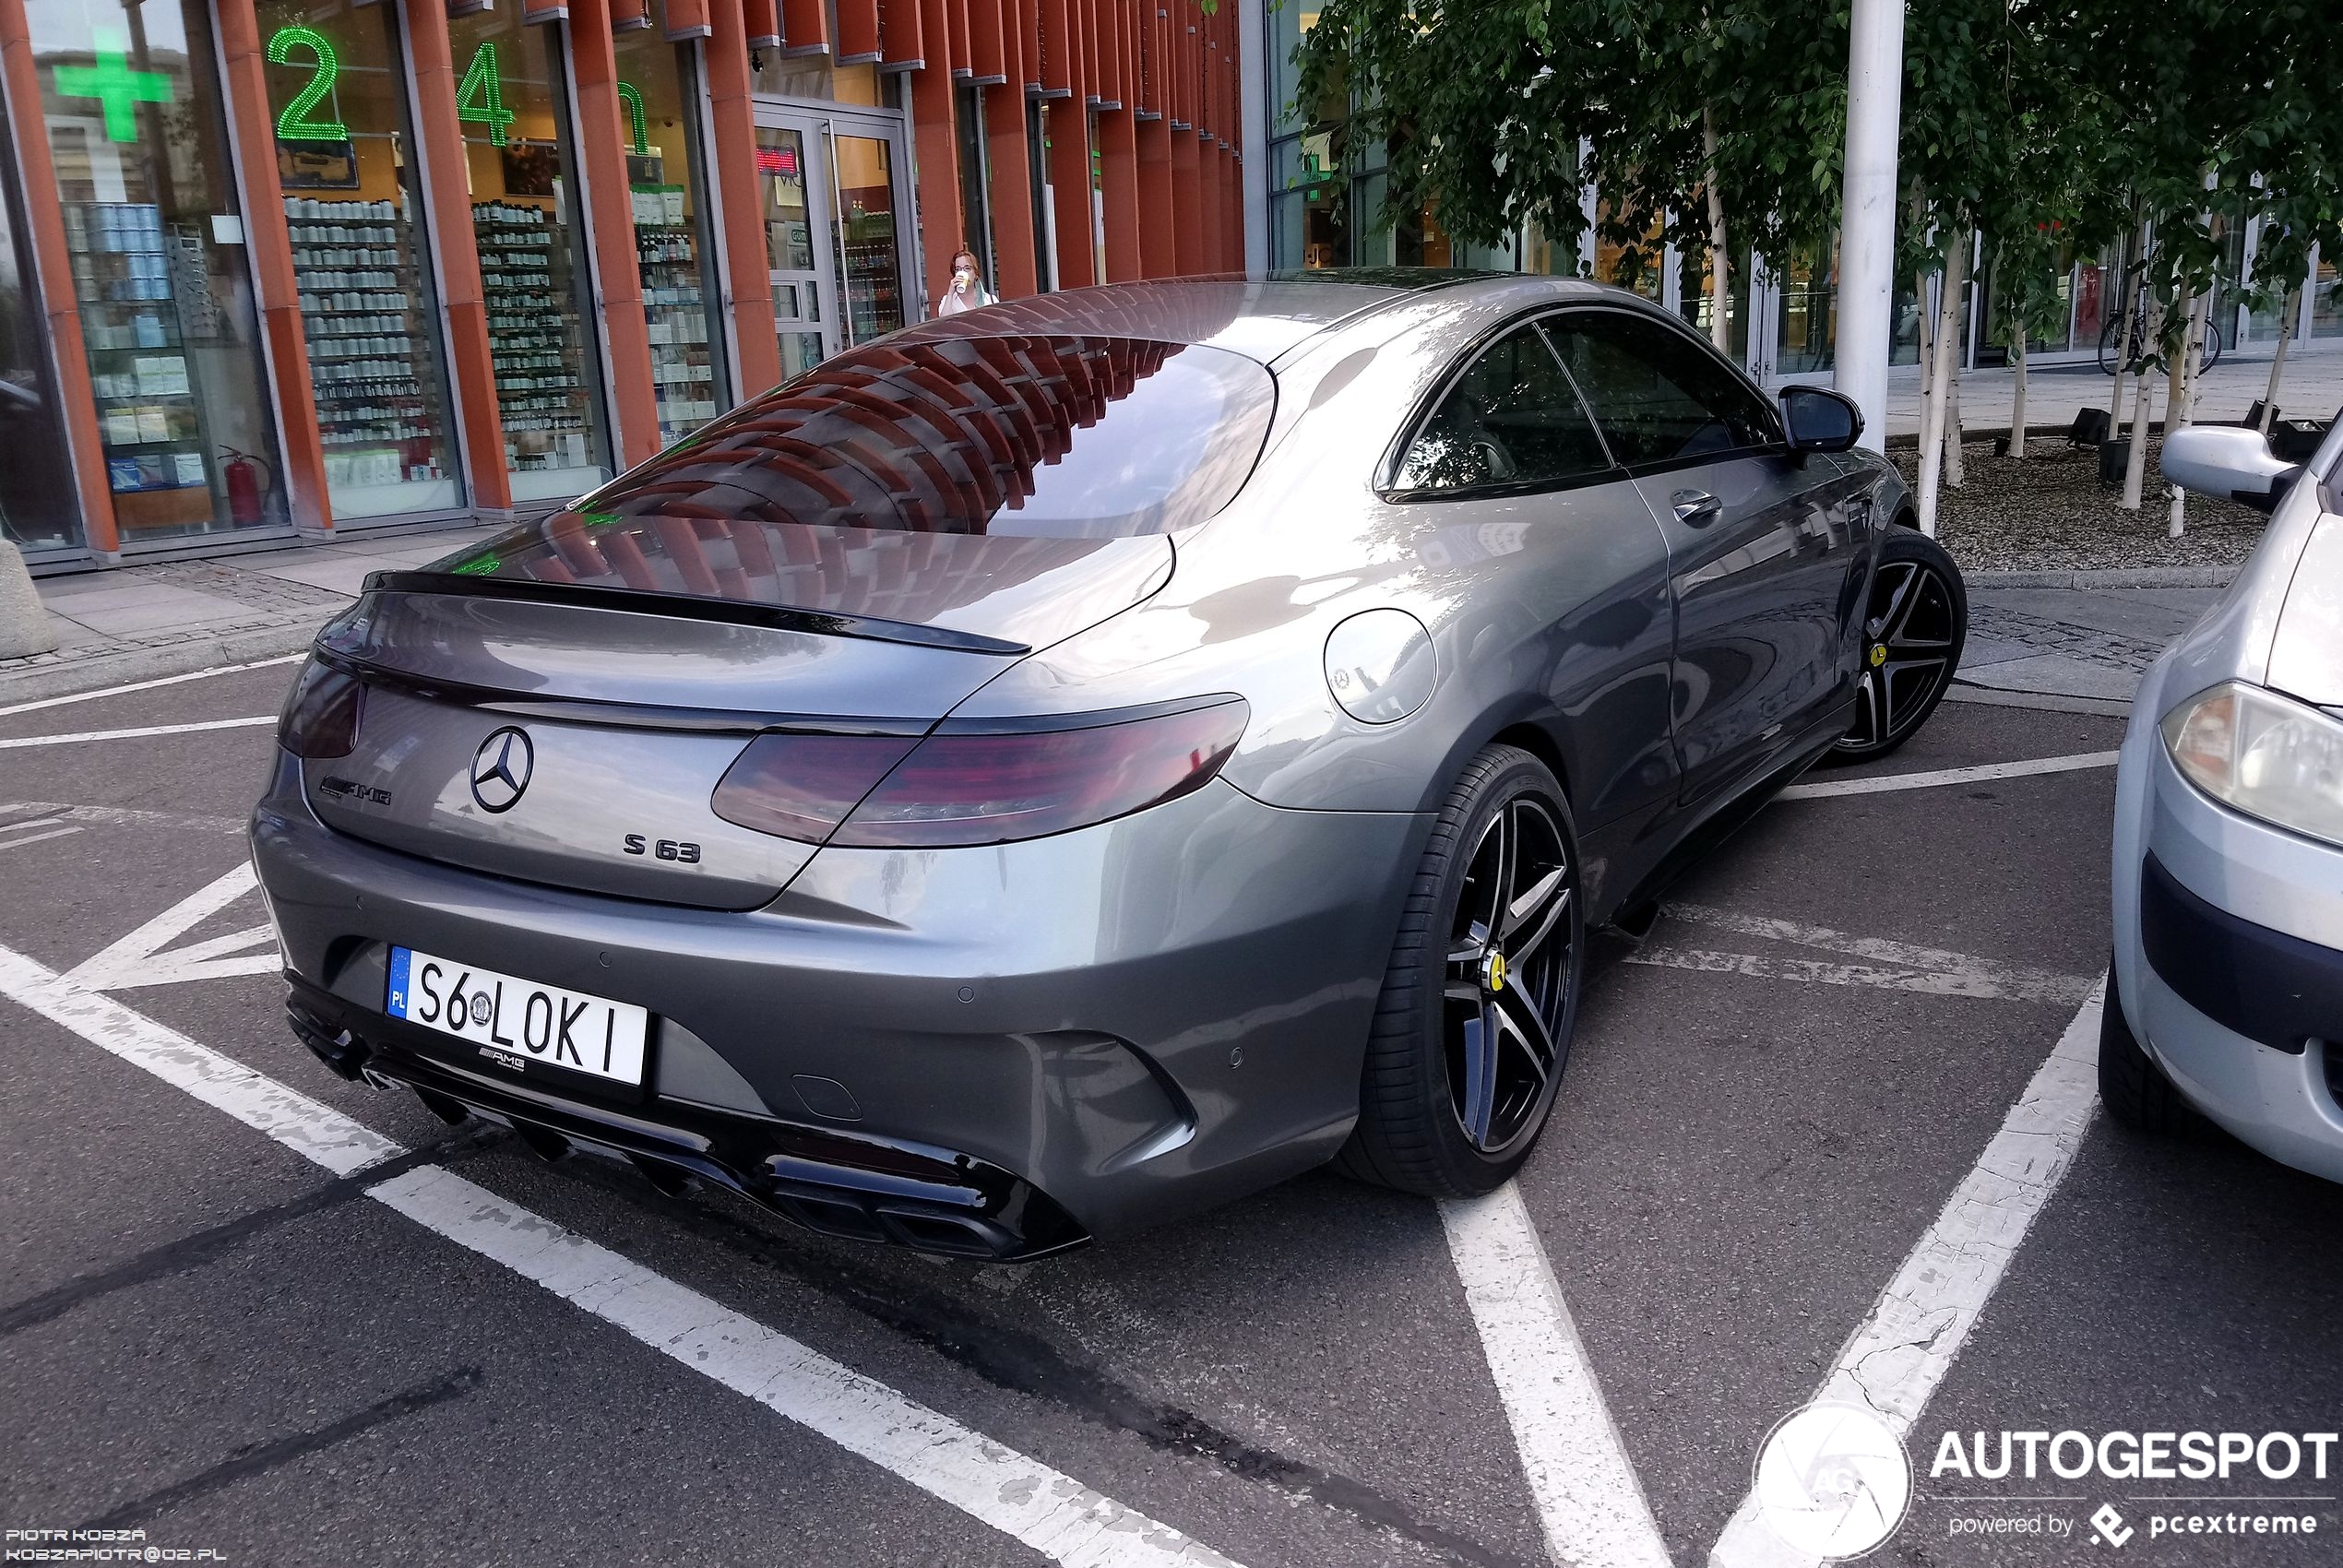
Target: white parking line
{"points": [[1041, 1507], [1894, 1361], [1814, 972], [1945, 972], [149, 686], [15, 742], [140, 958], [1885, 783], [1590, 1505], [124, 817]]}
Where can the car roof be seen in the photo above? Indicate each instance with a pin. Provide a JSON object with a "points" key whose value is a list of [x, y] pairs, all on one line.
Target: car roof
{"points": [[1264, 318]]}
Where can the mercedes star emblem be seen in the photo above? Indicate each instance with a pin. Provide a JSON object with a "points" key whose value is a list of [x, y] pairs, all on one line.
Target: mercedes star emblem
{"points": [[501, 769]]}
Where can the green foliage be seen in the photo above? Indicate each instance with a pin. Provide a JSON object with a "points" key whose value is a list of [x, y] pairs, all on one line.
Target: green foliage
{"points": [[2053, 128]]}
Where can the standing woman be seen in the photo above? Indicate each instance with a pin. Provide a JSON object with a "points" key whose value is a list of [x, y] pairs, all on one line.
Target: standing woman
{"points": [[967, 289]]}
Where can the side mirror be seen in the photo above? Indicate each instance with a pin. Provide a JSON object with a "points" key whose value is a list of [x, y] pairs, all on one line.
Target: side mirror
{"points": [[2231, 464], [1819, 419]]}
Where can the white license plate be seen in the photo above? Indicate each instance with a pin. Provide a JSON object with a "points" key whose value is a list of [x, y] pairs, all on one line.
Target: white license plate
{"points": [[514, 1022]]}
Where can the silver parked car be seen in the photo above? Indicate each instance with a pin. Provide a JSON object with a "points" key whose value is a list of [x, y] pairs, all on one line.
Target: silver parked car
{"points": [[1061, 767], [2226, 995]]}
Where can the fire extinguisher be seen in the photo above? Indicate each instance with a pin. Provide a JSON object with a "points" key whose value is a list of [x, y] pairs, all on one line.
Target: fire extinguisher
{"points": [[248, 483]]}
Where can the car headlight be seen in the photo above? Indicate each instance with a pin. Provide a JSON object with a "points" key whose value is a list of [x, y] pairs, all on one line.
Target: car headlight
{"points": [[2264, 754]]}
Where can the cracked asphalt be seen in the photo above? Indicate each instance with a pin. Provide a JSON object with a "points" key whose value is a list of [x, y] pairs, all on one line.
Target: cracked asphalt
{"points": [[204, 1336]]}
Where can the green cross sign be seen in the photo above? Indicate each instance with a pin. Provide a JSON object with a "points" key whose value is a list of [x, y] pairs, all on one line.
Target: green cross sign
{"points": [[115, 84]]}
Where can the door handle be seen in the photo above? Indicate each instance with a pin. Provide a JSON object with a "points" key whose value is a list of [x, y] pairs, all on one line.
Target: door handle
{"points": [[1696, 508]]}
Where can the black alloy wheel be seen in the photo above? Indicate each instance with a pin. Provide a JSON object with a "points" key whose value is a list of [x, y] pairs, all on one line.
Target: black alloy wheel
{"points": [[1509, 970], [1913, 632], [1481, 998]]}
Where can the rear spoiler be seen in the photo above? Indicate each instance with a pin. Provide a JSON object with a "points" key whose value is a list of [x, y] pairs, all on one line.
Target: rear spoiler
{"points": [[690, 606]]}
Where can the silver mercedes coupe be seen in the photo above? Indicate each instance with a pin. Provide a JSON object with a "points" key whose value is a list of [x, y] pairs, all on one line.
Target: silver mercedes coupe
{"points": [[1061, 767]]}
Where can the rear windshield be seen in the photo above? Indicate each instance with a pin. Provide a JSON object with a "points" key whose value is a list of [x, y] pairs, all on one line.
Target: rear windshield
{"points": [[1037, 437]]}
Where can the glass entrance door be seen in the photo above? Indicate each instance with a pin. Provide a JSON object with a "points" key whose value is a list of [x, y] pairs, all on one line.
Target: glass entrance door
{"points": [[804, 313], [837, 228]]}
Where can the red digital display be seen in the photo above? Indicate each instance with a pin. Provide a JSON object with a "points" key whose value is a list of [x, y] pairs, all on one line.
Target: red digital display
{"points": [[781, 161]]}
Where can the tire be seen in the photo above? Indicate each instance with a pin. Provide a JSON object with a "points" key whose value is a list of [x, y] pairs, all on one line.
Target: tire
{"points": [[1914, 629], [2212, 346], [1458, 1083], [2131, 1086], [2109, 344]]}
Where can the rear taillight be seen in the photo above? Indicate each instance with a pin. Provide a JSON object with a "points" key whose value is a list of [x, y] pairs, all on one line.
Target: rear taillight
{"points": [[968, 786], [801, 786], [321, 716]]}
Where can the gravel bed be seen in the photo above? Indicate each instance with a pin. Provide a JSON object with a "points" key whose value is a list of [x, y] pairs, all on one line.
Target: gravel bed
{"points": [[2050, 512]]}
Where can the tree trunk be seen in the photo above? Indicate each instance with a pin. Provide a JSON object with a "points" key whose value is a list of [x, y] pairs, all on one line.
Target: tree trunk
{"points": [[2277, 360], [2142, 406], [1932, 415], [2123, 345], [2017, 393], [1720, 293], [1923, 319], [2182, 409], [1955, 346]]}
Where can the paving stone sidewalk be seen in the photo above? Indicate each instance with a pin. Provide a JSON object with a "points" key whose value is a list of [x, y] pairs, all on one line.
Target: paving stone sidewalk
{"points": [[2091, 643], [178, 616]]}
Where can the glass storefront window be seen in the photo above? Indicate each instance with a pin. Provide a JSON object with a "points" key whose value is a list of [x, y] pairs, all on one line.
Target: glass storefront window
{"points": [[132, 98], [2326, 302], [526, 221], [812, 76], [36, 505], [354, 203], [864, 235], [1809, 315], [976, 180], [673, 245]]}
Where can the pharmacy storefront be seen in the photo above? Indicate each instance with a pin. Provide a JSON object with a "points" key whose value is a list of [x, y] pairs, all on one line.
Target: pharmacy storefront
{"points": [[284, 268]]}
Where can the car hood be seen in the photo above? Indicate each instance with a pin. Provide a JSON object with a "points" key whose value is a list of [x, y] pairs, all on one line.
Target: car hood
{"points": [[2306, 651]]}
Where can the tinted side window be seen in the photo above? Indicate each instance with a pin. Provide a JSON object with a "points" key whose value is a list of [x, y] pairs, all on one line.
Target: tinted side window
{"points": [[1512, 419], [1658, 395]]}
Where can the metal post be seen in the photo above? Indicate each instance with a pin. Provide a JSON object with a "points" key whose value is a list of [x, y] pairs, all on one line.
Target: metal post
{"points": [[1867, 230]]}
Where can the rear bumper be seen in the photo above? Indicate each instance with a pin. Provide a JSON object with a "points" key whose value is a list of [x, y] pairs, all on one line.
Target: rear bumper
{"points": [[1108, 1027]]}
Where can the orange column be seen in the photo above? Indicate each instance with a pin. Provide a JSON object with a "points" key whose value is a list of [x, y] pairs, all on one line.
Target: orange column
{"points": [[447, 192], [1119, 159], [762, 18], [60, 310], [1009, 154], [858, 31], [270, 249], [903, 33], [1209, 206], [747, 270], [1187, 213], [610, 228], [805, 27], [1158, 253], [686, 19], [936, 161]]}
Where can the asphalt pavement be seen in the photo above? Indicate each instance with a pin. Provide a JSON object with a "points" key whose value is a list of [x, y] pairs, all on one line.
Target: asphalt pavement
{"points": [[214, 1330]]}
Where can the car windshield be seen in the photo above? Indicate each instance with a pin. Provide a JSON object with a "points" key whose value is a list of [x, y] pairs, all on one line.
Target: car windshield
{"points": [[1051, 438]]}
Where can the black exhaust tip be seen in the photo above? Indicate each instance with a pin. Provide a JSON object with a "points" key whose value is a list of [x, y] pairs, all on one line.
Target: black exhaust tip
{"points": [[671, 1180], [449, 1111], [542, 1142]]}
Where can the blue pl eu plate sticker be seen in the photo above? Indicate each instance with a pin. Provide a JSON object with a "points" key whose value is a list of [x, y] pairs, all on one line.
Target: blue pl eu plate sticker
{"points": [[400, 959]]}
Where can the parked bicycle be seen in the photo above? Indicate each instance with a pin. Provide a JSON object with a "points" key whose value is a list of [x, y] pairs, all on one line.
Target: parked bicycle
{"points": [[2110, 336]]}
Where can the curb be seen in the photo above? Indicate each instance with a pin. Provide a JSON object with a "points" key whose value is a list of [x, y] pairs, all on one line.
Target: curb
{"points": [[2106, 578], [184, 658]]}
